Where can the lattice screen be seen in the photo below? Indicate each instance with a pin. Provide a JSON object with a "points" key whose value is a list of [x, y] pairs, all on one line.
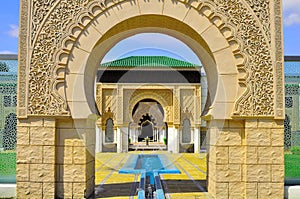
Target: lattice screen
{"points": [[8, 119]]}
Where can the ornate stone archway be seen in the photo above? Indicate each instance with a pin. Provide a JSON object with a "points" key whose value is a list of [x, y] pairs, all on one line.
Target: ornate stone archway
{"points": [[61, 43]]}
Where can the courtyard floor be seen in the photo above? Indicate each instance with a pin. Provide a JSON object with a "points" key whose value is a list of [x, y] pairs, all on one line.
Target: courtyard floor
{"points": [[191, 183]]}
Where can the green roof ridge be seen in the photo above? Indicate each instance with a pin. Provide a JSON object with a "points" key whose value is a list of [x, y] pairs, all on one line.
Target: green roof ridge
{"points": [[150, 61]]}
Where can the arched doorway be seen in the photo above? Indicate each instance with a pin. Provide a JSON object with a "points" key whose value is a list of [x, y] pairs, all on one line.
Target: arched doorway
{"points": [[147, 130], [148, 121], [59, 57]]}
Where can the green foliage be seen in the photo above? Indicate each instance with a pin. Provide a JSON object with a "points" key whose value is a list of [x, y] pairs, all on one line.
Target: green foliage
{"points": [[3, 67], [165, 141], [295, 150], [292, 165], [7, 167]]}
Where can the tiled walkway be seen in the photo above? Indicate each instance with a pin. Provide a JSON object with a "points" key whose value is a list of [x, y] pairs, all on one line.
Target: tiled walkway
{"points": [[189, 184]]}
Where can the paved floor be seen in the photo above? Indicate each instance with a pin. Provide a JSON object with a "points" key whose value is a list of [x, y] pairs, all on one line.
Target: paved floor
{"points": [[189, 184]]}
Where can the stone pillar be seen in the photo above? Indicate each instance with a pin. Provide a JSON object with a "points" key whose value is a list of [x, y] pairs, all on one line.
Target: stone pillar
{"points": [[36, 158], [119, 140], [124, 131], [245, 158], [223, 172], [122, 139], [170, 138], [99, 136], [75, 158], [173, 139], [264, 158], [197, 143]]}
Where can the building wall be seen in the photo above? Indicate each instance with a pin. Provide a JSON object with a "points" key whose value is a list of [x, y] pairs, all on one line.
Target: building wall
{"points": [[292, 118], [8, 119], [164, 95]]}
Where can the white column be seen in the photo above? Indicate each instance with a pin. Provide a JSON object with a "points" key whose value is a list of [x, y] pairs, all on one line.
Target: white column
{"points": [[124, 137], [119, 140], [163, 134], [115, 136], [197, 140], [99, 140], [173, 140], [135, 135]]}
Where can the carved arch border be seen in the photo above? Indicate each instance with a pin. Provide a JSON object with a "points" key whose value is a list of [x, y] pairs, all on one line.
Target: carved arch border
{"points": [[148, 95], [54, 103], [140, 114]]}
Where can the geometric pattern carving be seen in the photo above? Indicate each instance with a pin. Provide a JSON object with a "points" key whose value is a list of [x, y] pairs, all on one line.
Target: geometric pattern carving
{"points": [[278, 57], [288, 102], [10, 132], [176, 107], [150, 108], [55, 25], [287, 133], [292, 89], [106, 116], [109, 100], [261, 9], [23, 60], [257, 52], [163, 97], [187, 101]]}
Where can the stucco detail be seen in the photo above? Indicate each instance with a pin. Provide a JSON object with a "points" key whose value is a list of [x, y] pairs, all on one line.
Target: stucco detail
{"points": [[54, 33]]}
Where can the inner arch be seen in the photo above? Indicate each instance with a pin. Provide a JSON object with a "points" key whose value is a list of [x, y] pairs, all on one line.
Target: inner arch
{"points": [[157, 24]]}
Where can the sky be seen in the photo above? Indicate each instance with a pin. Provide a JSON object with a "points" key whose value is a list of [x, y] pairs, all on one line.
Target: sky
{"points": [[144, 43]]}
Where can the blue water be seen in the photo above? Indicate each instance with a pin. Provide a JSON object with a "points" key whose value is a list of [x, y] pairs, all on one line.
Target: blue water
{"points": [[149, 166], [149, 163]]}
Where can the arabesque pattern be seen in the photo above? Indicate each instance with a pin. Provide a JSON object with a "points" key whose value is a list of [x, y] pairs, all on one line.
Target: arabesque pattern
{"points": [[54, 39], [259, 97]]}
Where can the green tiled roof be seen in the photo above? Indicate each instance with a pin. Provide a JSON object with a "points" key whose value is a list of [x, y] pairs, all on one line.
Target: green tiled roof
{"points": [[291, 84], [149, 61]]}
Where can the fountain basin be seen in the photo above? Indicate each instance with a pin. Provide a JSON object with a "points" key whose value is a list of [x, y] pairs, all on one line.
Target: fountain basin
{"points": [[149, 163], [151, 166]]}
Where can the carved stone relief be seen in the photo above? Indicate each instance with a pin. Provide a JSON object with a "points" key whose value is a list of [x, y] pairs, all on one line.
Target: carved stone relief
{"points": [[187, 101], [164, 97], [258, 99], [109, 100], [152, 109], [55, 25], [23, 56], [278, 59]]}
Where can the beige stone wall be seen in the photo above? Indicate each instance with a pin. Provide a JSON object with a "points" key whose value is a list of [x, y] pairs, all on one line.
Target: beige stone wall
{"points": [[36, 158], [75, 159], [246, 159], [55, 158]]}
